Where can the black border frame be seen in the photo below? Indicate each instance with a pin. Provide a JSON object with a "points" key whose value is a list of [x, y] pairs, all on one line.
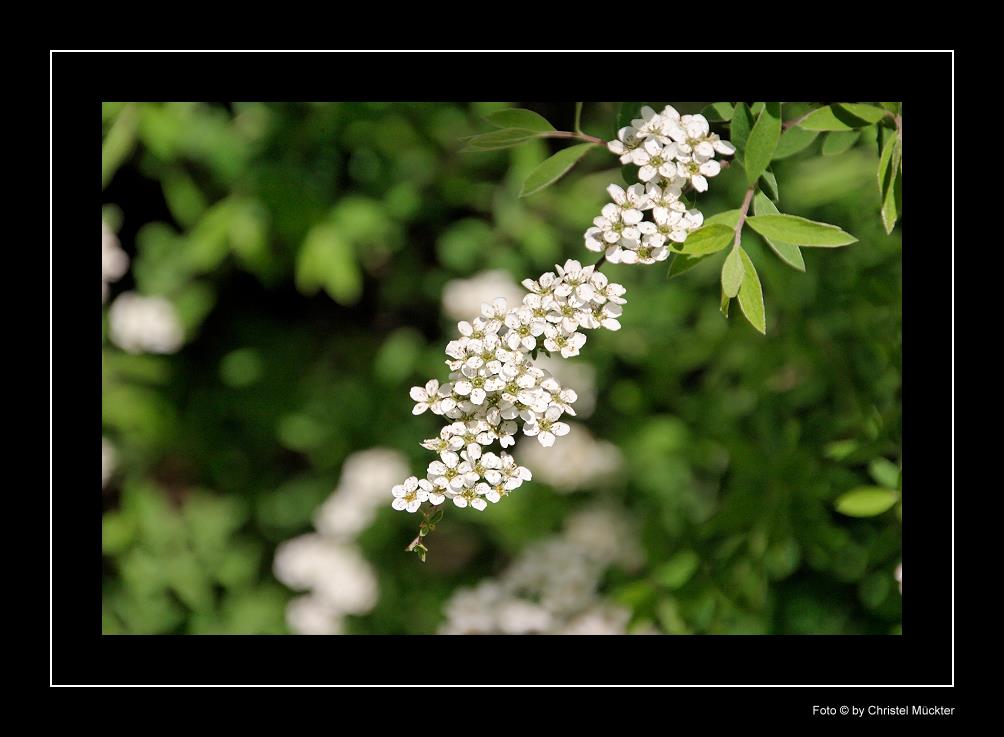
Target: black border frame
{"points": [[923, 654]]}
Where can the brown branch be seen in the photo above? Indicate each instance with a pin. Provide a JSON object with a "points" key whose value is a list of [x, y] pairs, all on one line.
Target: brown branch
{"points": [[742, 215]]}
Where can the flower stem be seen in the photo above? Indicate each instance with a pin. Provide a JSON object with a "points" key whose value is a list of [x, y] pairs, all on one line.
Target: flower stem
{"points": [[742, 215]]}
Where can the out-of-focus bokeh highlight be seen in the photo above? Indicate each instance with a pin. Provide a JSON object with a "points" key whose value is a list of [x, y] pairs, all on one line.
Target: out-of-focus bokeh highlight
{"points": [[276, 276]]}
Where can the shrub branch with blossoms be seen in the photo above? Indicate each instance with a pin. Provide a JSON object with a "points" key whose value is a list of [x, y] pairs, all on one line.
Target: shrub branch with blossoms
{"points": [[495, 390]]}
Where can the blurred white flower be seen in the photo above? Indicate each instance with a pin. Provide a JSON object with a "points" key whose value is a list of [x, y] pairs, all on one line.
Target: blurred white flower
{"points": [[899, 576], [109, 460], [579, 461], [335, 572], [600, 620], [552, 587], [114, 261], [464, 297], [139, 324], [311, 615], [362, 489], [607, 534]]}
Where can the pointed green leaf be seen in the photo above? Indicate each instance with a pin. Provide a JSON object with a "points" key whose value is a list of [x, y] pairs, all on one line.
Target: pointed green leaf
{"points": [[519, 118], [504, 138], [836, 142], [885, 159], [768, 185], [681, 262], [718, 112], [843, 117], [787, 252], [866, 501], [798, 230], [742, 124], [792, 141], [762, 141], [893, 202], [751, 295], [732, 273], [724, 306], [553, 168], [707, 239], [756, 108]]}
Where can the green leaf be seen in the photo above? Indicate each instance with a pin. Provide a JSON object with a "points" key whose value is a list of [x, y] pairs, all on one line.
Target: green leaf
{"points": [[679, 569], [762, 141], [751, 295], [578, 118], [798, 230], [885, 159], [742, 124], [718, 112], [885, 472], [520, 118], [893, 202], [892, 107], [724, 306], [890, 180], [328, 260], [756, 108], [768, 184], [681, 262], [843, 117], [627, 112], [505, 138], [792, 141], [732, 273], [787, 252], [726, 217], [836, 142], [553, 168], [707, 239], [866, 501]]}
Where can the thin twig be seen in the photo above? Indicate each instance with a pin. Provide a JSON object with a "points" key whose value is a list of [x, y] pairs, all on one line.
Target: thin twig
{"points": [[742, 215]]}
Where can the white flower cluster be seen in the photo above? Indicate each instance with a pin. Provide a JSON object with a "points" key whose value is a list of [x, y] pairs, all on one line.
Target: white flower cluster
{"points": [[672, 152], [494, 385], [552, 587], [328, 564], [139, 324], [114, 261]]}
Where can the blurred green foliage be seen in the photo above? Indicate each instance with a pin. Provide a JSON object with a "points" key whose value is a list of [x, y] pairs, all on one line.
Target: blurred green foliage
{"points": [[305, 247]]}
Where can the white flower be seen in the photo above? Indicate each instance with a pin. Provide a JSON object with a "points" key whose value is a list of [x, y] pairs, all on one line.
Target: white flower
{"points": [[627, 141], [696, 171], [650, 126], [470, 496], [631, 202], [524, 329], [114, 261], [558, 339], [409, 495], [139, 324], [666, 195], [425, 396], [609, 229], [655, 159], [547, 428]]}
